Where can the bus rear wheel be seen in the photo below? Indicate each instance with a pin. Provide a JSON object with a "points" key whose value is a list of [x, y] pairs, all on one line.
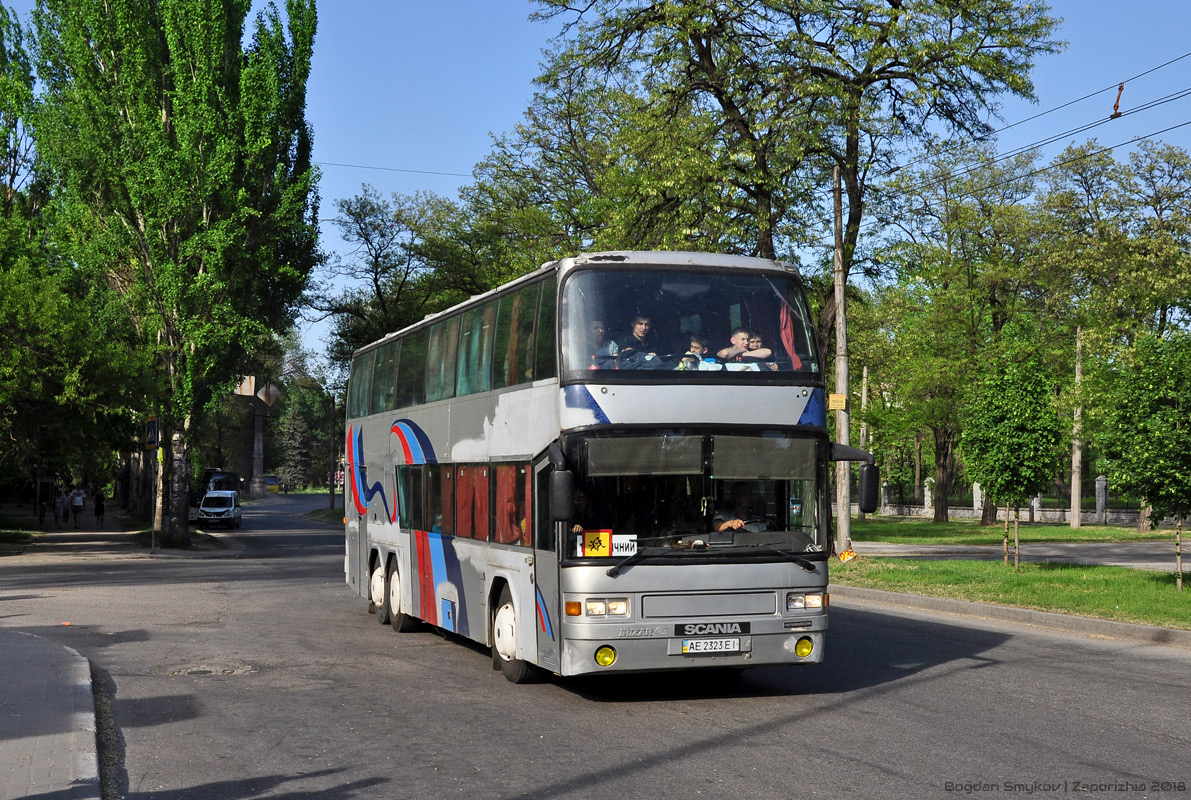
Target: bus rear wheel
{"points": [[379, 592], [504, 642], [401, 622]]}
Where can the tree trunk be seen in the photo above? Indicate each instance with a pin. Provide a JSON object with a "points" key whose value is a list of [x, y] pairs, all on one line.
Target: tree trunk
{"points": [[917, 467], [944, 471], [988, 512]]}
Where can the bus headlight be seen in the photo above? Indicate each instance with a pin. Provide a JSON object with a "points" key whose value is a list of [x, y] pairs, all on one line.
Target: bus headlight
{"points": [[797, 601], [803, 647], [606, 606], [605, 655]]}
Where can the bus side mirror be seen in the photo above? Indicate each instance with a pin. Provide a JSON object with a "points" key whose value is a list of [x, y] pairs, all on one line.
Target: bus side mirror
{"points": [[562, 494], [869, 476]]}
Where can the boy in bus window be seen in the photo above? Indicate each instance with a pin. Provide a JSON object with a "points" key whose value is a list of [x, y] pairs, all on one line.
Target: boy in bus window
{"points": [[758, 350], [603, 350], [693, 357], [639, 349]]}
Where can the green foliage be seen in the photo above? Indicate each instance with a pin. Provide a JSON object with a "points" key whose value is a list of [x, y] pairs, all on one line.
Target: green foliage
{"points": [[182, 160], [1011, 433], [1145, 432]]}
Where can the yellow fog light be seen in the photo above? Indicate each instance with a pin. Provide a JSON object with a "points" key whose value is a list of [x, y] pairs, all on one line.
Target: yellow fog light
{"points": [[802, 647], [605, 655]]}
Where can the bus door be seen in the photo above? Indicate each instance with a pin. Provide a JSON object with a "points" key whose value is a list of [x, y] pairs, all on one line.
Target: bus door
{"points": [[545, 572]]}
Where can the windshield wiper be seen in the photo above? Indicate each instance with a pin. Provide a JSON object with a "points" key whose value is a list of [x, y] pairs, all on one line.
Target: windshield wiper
{"points": [[615, 569], [802, 562]]}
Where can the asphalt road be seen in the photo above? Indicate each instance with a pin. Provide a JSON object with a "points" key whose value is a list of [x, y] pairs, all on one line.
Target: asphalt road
{"points": [[261, 675]]}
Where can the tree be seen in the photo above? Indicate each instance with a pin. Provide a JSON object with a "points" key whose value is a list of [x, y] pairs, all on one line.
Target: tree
{"points": [[412, 255], [1011, 436], [1145, 439], [184, 165], [794, 90], [964, 264], [67, 367]]}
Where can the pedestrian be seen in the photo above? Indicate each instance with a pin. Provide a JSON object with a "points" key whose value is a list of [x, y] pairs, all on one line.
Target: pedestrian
{"points": [[60, 509], [99, 509], [77, 498]]}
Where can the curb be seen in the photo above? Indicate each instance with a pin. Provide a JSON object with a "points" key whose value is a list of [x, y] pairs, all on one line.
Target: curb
{"points": [[86, 756], [1067, 623]]}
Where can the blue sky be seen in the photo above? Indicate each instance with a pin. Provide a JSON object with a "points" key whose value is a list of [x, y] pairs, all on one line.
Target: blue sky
{"points": [[407, 88]]}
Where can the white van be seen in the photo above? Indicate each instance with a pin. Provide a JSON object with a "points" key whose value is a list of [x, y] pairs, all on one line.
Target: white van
{"points": [[220, 507]]}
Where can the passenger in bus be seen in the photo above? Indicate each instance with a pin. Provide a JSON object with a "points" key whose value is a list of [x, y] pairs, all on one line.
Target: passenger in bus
{"points": [[692, 359], [738, 348], [740, 513], [639, 348], [758, 350], [602, 350]]}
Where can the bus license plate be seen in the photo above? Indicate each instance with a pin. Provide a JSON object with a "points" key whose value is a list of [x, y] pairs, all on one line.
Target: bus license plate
{"points": [[711, 646]]}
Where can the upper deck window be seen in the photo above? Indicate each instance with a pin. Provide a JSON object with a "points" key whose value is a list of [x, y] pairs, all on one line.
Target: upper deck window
{"points": [[700, 322]]}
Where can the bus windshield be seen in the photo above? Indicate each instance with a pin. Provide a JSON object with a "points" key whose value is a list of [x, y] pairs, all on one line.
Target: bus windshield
{"points": [[696, 494], [694, 321]]}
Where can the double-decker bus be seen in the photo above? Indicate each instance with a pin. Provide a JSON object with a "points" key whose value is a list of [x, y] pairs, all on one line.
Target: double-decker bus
{"points": [[597, 468]]}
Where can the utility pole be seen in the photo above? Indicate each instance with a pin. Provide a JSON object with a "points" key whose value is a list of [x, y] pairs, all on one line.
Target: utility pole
{"points": [[1076, 517], [843, 488], [863, 424]]}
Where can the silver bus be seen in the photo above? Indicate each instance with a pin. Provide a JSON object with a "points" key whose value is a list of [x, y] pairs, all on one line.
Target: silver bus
{"points": [[616, 463]]}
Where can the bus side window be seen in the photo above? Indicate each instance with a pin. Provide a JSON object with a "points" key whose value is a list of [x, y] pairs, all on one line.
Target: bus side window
{"points": [[513, 505], [446, 498], [440, 504], [545, 363], [411, 497], [411, 370], [471, 502], [513, 362], [358, 385], [384, 374], [544, 522], [474, 373], [440, 360]]}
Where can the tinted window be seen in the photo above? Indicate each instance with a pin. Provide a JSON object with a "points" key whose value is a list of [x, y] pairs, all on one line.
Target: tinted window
{"points": [[411, 371], [358, 385], [384, 373], [545, 365], [513, 359], [476, 333], [440, 360]]}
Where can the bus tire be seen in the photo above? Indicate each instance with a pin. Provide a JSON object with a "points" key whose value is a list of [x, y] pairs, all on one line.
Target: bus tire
{"points": [[400, 621], [504, 642], [378, 588]]}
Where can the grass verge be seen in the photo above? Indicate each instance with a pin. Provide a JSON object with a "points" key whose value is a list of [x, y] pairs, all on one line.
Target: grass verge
{"points": [[906, 530], [327, 515], [1116, 593]]}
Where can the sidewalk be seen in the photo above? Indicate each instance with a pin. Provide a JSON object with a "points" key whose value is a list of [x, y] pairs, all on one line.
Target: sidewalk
{"points": [[47, 707], [47, 720]]}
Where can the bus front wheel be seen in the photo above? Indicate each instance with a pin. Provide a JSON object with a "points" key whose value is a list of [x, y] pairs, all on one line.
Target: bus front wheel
{"points": [[504, 642]]}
